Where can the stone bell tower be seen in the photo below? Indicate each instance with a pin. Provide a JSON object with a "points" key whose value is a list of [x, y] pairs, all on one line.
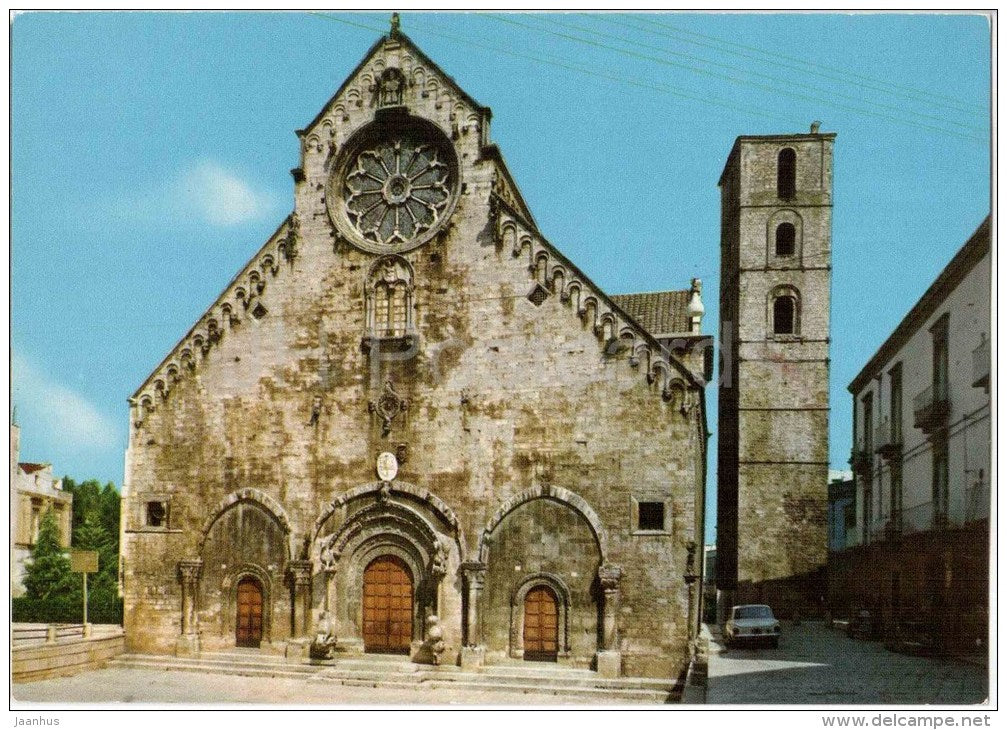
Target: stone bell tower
{"points": [[773, 455]]}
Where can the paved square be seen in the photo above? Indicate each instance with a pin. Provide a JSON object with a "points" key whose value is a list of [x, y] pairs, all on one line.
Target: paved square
{"points": [[821, 666]]}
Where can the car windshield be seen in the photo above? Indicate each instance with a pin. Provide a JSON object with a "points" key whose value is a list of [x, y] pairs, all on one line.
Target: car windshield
{"points": [[753, 612]]}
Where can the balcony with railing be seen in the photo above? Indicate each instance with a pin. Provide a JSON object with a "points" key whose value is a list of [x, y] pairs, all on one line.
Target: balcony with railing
{"points": [[981, 365], [931, 408], [889, 440], [861, 459]]}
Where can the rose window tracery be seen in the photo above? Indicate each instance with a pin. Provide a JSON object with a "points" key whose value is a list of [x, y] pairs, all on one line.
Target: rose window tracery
{"points": [[397, 190]]}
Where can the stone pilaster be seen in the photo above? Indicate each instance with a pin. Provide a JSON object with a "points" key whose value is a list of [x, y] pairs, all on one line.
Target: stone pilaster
{"points": [[300, 574], [473, 653], [609, 657], [188, 575]]}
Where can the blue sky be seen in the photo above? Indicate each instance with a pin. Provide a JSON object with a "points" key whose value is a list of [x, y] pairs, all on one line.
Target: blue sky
{"points": [[150, 158]]}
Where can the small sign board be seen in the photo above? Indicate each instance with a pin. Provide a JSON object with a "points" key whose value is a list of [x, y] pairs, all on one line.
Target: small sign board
{"points": [[84, 561]]}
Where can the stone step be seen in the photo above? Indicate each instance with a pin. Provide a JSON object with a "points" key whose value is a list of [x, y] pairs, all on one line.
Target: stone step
{"points": [[395, 673], [238, 670]]}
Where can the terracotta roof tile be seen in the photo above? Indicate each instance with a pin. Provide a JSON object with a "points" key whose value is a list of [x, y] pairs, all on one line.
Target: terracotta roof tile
{"points": [[659, 312], [30, 468]]}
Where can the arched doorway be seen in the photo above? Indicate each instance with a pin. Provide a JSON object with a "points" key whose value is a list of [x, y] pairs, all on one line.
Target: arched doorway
{"points": [[388, 606], [248, 626], [541, 625]]}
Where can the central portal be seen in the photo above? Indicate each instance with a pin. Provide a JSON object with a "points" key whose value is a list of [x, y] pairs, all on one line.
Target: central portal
{"points": [[388, 606]]}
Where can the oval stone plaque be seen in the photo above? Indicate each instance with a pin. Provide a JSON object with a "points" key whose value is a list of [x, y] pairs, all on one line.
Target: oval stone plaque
{"points": [[388, 466]]}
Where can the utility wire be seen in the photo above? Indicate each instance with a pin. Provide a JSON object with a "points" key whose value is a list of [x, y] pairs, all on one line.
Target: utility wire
{"points": [[663, 88], [732, 79], [910, 92], [757, 74]]}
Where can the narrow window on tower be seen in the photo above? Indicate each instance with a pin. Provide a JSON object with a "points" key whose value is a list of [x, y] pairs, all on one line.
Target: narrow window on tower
{"points": [[786, 173], [786, 235], [785, 315]]}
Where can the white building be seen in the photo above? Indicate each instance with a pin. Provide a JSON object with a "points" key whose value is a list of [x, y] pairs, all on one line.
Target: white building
{"points": [[921, 456], [33, 491]]}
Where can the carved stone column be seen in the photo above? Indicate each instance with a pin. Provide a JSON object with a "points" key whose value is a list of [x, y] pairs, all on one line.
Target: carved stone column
{"points": [[188, 575], [300, 573], [609, 657], [473, 653]]}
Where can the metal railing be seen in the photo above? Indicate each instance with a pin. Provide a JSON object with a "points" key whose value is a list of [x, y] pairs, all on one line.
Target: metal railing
{"points": [[888, 439], [981, 364], [861, 459], [931, 407]]}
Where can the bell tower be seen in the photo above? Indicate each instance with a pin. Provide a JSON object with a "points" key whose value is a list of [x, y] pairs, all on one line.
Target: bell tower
{"points": [[773, 452]]}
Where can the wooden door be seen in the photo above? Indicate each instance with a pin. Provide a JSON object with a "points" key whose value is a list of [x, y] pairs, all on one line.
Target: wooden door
{"points": [[249, 624], [541, 625], [388, 606]]}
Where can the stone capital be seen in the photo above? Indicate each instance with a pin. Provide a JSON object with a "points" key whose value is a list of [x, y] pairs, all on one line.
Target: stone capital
{"points": [[474, 572], [301, 571], [609, 576], [189, 571]]}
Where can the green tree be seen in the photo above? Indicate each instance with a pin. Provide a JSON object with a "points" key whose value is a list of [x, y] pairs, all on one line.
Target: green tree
{"points": [[110, 502], [86, 500], [48, 575]]}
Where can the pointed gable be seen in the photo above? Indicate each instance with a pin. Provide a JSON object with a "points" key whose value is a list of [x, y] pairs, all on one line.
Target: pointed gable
{"points": [[424, 82]]}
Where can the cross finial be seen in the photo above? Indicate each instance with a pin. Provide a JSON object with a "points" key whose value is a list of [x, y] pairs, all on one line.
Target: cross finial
{"points": [[395, 24]]}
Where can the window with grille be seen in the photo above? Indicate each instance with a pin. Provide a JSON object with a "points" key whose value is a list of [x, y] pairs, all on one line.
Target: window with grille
{"points": [[389, 299], [390, 309]]}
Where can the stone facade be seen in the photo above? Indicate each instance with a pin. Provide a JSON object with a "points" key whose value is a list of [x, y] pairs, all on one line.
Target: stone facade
{"points": [[33, 492], [772, 467], [409, 375]]}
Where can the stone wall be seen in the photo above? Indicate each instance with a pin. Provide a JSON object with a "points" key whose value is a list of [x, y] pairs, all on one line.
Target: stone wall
{"points": [[496, 395], [32, 663]]}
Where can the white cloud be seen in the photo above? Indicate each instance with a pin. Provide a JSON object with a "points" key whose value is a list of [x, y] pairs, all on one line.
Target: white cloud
{"points": [[66, 422], [223, 198], [206, 191]]}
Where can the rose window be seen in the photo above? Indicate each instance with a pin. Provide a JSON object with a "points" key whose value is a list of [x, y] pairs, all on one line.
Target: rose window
{"points": [[396, 191]]}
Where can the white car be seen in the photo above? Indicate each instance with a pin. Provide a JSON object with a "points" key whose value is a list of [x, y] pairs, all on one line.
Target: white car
{"points": [[752, 623]]}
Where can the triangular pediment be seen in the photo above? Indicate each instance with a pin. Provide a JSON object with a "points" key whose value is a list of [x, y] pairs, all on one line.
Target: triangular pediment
{"points": [[424, 81]]}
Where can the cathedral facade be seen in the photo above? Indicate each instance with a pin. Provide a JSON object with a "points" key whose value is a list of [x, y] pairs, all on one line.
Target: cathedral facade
{"points": [[410, 415]]}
